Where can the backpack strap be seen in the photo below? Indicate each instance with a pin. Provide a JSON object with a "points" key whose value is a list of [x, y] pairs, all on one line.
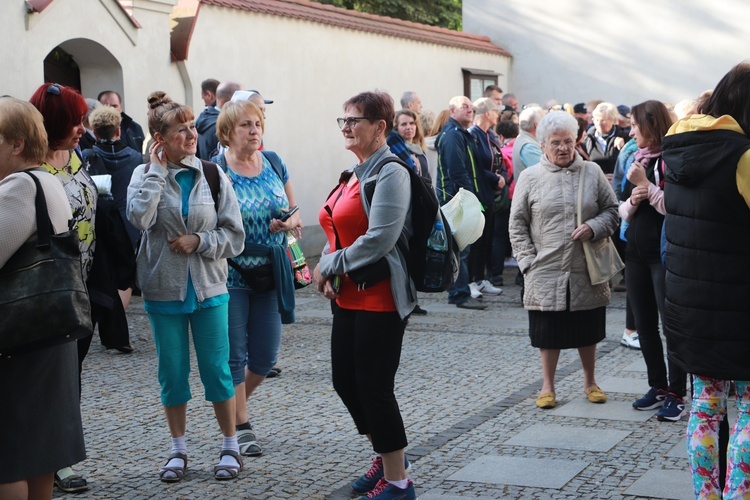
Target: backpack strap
{"points": [[370, 191], [275, 162], [211, 172]]}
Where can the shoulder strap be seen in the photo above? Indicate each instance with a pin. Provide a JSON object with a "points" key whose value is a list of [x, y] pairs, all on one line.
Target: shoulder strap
{"points": [[275, 162], [43, 225], [580, 191], [211, 172], [370, 188]]}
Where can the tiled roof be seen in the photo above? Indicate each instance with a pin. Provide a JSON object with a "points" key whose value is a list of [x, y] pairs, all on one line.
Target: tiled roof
{"points": [[37, 6], [336, 16]]}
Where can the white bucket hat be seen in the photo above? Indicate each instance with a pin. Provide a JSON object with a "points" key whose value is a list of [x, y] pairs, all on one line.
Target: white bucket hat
{"points": [[465, 217]]}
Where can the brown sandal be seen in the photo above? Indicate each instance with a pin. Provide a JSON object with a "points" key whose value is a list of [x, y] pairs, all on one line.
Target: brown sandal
{"points": [[179, 472], [233, 470]]}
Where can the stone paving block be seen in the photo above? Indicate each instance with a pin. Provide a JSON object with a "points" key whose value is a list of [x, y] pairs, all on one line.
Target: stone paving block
{"points": [[679, 450], [425, 320], [611, 410], [661, 483], [437, 496], [536, 472], [314, 313], [502, 324], [568, 438], [627, 385], [445, 307], [636, 366], [301, 301]]}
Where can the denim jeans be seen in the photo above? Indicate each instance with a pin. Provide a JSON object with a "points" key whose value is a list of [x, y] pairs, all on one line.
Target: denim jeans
{"points": [[460, 292], [254, 332]]}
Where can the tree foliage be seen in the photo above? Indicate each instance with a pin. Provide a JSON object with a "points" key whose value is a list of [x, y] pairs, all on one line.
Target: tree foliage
{"points": [[443, 13]]}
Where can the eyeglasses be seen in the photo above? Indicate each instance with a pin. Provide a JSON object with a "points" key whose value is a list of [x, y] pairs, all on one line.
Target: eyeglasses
{"points": [[350, 122], [568, 144], [54, 89]]}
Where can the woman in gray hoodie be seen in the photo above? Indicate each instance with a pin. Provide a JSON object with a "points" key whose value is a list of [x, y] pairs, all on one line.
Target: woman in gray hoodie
{"points": [[182, 273]]}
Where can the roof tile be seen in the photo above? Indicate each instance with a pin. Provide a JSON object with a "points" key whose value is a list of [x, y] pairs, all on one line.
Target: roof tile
{"points": [[360, 21]]}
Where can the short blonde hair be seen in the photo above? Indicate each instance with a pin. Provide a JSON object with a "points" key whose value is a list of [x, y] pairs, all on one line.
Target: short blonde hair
{"points": [[230, 117], [105, 121], [21, 120]]}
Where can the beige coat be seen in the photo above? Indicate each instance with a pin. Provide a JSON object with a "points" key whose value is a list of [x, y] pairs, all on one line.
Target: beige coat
{"points": [[542, 218]]}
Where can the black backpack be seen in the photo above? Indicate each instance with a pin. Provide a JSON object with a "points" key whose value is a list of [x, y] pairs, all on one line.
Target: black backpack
{"points": [[425, 211]]}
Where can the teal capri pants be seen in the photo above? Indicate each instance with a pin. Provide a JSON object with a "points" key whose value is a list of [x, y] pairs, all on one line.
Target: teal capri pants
{"points": [[211, 340]]}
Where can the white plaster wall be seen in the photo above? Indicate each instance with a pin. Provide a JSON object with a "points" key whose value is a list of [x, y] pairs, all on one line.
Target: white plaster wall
{"points": [[624, 52], [309, 70], [141, 56]]}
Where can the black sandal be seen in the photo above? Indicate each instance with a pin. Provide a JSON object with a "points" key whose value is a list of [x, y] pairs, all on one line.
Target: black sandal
{"points": [[71, 484]]}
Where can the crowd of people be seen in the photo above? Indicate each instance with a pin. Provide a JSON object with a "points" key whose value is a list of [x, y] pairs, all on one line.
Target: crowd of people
{"points": [[197, 220]]}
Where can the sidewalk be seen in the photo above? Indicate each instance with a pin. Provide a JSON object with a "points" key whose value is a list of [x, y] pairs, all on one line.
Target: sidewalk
{"points": [[467, 385]]}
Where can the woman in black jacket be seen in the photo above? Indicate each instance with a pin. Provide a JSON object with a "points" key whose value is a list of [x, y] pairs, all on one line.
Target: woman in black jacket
{"points": [[643, 208], [707, 320]]}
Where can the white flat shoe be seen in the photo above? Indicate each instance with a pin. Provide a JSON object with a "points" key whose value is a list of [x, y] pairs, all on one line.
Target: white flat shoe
{"points": [[631, 341]]}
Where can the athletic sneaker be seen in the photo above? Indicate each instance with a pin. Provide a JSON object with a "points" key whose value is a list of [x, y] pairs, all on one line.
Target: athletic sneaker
{"points": [[387, 491], [653, 399], [631, 340], [475, 293], [485, 286], [673, 409], [369, 480]]}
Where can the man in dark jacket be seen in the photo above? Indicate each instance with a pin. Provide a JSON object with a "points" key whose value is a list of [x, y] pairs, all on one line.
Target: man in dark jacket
{"points": [[131, 133], [206, 122], [457, 169]]}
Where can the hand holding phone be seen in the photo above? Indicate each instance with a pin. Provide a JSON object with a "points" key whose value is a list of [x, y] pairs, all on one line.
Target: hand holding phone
{"points": [[285, 217]]}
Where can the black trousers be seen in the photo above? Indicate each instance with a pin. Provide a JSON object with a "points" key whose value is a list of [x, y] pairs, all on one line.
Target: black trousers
{"points": [[500, 244], [645, 282], [481, 250], [365, 355]]}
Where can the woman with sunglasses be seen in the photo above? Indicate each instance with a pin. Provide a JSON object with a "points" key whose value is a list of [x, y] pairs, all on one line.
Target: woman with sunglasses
{"points": [[368, 324], [63, 109]]}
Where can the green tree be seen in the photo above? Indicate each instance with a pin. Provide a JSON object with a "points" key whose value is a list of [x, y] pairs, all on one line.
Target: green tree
{"points": [[443, 13]]}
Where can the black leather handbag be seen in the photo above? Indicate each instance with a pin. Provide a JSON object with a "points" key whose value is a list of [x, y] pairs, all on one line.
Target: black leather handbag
{"points": [[43, 298]]}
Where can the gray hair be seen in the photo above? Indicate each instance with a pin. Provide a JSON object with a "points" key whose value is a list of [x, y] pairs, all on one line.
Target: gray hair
{"points": [[530, 118], [556, 121], [408, 97], [606, 109], [92, 105]]}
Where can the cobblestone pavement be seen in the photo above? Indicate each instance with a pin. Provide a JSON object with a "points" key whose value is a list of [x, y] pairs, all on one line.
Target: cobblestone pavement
{"points": [[467, 385]]}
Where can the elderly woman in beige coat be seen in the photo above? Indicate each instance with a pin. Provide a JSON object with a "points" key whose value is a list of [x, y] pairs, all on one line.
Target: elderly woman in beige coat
{"points": [[565, 309]]}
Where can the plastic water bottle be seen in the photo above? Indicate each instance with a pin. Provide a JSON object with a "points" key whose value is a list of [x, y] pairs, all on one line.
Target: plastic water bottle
{"points": [[437, 250]]}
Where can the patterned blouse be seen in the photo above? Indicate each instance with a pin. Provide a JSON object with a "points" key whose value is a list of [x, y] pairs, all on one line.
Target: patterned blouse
{"points": [[261, 198], [82, 194]]}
